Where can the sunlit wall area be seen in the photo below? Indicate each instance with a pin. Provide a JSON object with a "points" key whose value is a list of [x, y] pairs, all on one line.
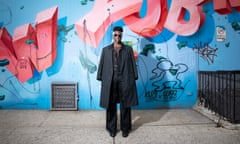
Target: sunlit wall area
{"points": [[45, 42]]}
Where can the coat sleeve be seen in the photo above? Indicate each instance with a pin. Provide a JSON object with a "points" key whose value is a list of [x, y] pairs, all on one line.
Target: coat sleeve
{"points": [[134, 64], [100, 67]]}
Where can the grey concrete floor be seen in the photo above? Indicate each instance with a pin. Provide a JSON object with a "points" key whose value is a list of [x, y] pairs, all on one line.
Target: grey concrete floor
{"points": [[163, 126]]}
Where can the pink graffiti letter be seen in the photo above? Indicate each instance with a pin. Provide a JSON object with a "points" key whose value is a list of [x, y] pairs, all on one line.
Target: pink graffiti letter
{"points": [[31, 48], [175, 21], [25, 50], [46, 28], [93, 26], [152, 24], [225, 6], [7, 51]]}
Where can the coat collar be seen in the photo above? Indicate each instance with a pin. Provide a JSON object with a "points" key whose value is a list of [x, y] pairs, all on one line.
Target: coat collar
{"points": [[111, 46]]}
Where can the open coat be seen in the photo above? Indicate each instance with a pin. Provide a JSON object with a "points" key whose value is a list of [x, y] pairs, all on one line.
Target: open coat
{"points": [[129, 71]]}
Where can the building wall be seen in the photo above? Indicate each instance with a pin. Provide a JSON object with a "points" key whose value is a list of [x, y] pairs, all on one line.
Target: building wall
{"points": [[44, 42]]}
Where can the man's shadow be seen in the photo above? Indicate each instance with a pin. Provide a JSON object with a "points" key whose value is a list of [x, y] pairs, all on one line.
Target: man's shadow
{"points": [[147, 117]]}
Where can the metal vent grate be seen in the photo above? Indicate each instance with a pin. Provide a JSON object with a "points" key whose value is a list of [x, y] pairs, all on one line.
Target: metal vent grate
{"points": [[64, 96]]}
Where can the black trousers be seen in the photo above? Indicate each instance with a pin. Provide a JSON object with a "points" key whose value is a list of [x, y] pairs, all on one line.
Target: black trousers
{"points": [[125, 119], [111, 112]]}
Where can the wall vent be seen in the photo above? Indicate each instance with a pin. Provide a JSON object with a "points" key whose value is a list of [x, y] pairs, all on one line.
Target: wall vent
{"points": [[64, 96]]}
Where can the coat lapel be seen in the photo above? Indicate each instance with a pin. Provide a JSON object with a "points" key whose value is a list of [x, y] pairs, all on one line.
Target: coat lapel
{"points": [[110, 55]]}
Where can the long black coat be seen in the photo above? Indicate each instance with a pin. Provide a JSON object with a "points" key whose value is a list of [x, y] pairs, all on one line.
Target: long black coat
{"points": [[105, 75]]}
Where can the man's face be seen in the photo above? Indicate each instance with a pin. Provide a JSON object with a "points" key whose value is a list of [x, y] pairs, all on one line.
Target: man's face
{"points": [[117, 36]]}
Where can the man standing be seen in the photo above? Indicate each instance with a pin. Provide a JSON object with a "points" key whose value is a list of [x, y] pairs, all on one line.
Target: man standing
{"points": [[117, 72]]}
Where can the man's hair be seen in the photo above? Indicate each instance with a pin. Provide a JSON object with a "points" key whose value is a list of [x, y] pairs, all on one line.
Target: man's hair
{"points": [[118, 28]]}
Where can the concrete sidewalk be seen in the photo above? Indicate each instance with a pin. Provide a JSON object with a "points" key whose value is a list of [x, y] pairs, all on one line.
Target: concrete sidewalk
{"points": [[164, 126]]}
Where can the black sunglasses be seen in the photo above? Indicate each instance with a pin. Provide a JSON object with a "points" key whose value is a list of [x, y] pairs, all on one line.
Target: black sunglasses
{"points": [[119, 35]]}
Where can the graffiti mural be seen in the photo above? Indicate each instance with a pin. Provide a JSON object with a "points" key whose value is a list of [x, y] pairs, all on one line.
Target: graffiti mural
{"points": [[166, 82], [31, 48], [206, 52], [61, 41]]}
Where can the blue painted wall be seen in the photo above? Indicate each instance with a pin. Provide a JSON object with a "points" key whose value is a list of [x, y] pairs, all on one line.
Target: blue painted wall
{"points": [[167, 63]]}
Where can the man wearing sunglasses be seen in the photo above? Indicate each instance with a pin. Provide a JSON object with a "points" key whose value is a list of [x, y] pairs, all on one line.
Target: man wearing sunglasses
{"points": [[117, 72]]}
